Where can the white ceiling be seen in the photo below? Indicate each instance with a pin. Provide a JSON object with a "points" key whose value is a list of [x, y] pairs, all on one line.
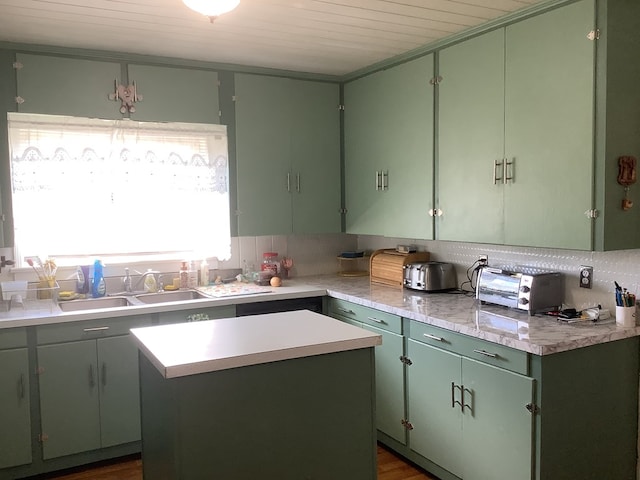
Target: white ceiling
{"points": [[332, 37]]}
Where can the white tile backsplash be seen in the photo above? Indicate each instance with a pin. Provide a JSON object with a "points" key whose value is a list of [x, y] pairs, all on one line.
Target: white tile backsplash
{"points": [[621, 266]]}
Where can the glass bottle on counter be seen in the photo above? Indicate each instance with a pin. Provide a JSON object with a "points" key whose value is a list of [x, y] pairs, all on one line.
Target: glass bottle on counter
{"points": [[184, 275]]}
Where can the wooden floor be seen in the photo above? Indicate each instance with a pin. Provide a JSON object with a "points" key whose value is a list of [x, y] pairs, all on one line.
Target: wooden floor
{"points": [[390, 467]]}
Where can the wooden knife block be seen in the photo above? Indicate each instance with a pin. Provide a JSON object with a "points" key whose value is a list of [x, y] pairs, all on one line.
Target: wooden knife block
{"points": [[386, 266]]}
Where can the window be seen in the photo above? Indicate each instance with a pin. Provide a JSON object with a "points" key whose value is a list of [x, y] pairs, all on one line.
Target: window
{"points": [[118, 188]]}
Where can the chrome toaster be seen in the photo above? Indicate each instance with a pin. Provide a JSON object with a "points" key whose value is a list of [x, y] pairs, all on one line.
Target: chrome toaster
{"points": [[430, 276]]}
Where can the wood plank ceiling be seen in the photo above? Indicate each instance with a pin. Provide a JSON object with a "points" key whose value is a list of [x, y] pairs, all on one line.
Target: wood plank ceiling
{"points": [[331, 37]]}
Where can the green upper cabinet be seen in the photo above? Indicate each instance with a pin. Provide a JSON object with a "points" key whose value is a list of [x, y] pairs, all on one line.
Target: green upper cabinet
{"points": [[388, 134], [288, 156], [549, 127], [175, 94], [516, 112], [66, 86], [471, 140]]}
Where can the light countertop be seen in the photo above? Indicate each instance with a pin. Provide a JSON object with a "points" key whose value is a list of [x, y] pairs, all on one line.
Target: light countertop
{"points": [[539, 335], [190, 348]]}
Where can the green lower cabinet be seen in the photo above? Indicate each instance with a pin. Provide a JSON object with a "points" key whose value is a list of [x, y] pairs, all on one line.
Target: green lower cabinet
{"points": [[89, 388], [389, 383], [69, 403], [390, 391], [464, 415], [119, 391], [15, 421], [436, 419], [496, 420]]}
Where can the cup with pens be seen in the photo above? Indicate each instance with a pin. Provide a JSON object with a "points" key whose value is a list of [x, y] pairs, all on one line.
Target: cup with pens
{"points": [[625, 307]]}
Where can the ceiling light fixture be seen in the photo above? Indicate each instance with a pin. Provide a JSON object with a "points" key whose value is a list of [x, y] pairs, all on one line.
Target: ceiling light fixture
{"points": [[211, 8]]}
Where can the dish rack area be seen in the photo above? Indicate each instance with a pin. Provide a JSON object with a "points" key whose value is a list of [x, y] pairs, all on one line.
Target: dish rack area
{"points": [[353, 264], [19, 296]]}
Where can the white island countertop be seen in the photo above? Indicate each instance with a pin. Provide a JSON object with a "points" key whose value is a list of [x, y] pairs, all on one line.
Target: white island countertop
{"points": [[198, 347]]}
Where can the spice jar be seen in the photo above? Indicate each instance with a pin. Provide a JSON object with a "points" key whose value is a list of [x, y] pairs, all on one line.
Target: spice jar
{"points": [[270, 263]]}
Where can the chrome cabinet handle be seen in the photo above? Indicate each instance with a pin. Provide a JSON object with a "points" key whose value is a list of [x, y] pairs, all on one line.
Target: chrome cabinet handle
{"points": [[298, 182], [496, 164], [344, 310], [505, 173], [464, 403], [104, 374], [96, 329], [385, 186], [486, 354], [288, 182], [377, 181], [377, 320], [455, 402], [433, 337]]}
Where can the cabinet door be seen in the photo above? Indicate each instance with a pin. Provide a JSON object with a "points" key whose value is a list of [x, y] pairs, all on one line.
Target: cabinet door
{"points": [[389, 130], [315, 157], [549, 128], [498, 429], [263, 135], [119, 390], [406, 149], [471, 140], [69, 402], [364, 124], [15, 419], [433, 379], [175, 94], [67, 86], [389, 383]]}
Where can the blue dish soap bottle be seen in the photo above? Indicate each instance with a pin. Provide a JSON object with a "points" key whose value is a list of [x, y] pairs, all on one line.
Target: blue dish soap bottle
{"points": [[98, 287]]}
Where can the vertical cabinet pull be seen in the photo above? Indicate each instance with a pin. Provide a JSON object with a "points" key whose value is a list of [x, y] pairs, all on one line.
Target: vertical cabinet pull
{"points": [[464, 403], [298, 182], [92, 380], [288, 182], [496, 164], [377, 180], [21, 389], [508, 172], [104, 374], [385, 185], [455, 402]]}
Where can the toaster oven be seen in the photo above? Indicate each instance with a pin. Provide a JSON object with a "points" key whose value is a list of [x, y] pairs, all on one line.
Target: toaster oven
{"points": [[523, 289]]}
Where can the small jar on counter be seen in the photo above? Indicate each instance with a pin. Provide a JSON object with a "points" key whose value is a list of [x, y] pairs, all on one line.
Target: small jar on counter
{"points": [[270, 263]]}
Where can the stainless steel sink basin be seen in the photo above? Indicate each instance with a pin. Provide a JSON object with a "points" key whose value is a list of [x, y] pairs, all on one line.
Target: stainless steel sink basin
{"points": [[175, 296], [94, 303]]}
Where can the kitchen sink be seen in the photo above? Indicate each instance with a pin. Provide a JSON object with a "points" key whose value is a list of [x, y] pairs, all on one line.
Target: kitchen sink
{"points": [[175, 296], [94, 303]]}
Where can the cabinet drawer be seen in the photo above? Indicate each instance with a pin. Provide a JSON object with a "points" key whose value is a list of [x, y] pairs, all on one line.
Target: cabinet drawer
{"points": [[84, 330], [478, 349], [350, 311], [13, 338], [197, 315]]}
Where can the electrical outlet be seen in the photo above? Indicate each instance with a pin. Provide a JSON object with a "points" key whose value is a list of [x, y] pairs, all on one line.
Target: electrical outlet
{"points": [[586, 276]]}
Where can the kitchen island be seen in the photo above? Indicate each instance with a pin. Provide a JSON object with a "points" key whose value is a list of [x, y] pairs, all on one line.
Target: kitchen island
{"points": [[286, 395]]}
